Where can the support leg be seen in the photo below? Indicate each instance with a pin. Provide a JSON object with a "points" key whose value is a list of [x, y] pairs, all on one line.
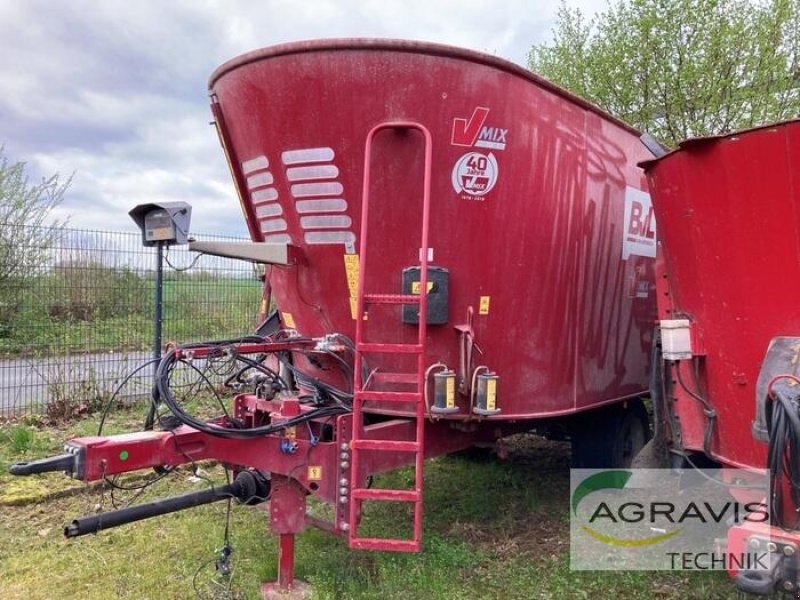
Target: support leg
{"points": [[286, 561], [287, 513]]}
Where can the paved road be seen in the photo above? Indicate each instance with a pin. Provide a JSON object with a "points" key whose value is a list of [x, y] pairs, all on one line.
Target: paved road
{"points": [[27, 383]]}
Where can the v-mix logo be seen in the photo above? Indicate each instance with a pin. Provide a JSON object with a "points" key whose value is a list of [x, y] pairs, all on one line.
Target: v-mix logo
{"points": [[473, 131]]}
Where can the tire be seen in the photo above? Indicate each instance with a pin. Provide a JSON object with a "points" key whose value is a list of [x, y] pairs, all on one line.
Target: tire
{"points": [[610, 438]]}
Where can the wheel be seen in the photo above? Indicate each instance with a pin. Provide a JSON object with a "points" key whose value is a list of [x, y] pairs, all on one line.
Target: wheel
{"points": [[633, 434], [610, 438]]}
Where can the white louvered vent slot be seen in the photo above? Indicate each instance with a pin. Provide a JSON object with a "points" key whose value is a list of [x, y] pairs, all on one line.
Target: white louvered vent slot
{"points": [[318, 196]]}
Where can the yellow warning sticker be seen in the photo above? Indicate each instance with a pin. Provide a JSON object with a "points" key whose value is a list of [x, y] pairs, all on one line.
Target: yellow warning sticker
{"points": [[491, 394], [483, 307], [450, 392], [288, 320], [352, 267], [314, 473], [415, 285]]}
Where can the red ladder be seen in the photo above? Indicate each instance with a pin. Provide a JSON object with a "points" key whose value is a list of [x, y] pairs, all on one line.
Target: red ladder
{"points": [[360, 445]]}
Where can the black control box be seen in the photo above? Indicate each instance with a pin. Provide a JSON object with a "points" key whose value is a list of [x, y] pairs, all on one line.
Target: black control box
{"points": [[438, 294]]}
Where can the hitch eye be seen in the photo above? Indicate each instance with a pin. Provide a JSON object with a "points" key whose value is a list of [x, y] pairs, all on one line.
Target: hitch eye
{"points": [[63, 462]]}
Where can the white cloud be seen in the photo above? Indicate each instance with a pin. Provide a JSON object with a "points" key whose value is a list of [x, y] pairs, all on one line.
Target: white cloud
{"points": [[114, 91]]}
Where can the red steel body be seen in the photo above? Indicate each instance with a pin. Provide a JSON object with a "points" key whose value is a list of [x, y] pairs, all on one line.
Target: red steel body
{"points": [[727, 211], [537, 209]]}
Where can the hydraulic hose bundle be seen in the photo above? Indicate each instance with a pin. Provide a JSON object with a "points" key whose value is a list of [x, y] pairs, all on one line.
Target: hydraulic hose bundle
{"points": [[783, 451], [331, 400]]}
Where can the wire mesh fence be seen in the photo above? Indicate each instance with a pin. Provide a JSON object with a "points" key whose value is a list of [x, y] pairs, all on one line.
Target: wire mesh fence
{"points": [[76, 313]]}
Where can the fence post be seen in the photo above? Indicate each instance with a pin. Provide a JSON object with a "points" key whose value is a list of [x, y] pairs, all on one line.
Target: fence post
{"points": [[159, 305]]}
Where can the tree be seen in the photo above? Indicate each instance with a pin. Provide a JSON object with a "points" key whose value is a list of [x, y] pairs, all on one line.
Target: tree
{"points": [[26, 236], [24, 212], [681, 68]]}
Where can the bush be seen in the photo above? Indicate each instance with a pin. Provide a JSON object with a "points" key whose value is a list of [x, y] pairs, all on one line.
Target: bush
{"points": [[75, 391], [87, 290]]}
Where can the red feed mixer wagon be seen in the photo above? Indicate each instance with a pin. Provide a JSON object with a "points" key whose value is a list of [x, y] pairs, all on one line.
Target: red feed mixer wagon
{"points": [[458, 250], [729, 279]]}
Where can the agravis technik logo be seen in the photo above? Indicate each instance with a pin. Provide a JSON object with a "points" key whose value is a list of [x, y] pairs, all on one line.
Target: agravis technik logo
{"points": [[652, 519]]}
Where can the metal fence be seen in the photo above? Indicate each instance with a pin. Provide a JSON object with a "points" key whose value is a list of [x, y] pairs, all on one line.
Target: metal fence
{"points": [[76, 312]]}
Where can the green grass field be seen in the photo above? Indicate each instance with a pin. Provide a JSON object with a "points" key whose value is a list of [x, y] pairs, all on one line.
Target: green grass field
{"points": [[493, 529], [53, 319]]}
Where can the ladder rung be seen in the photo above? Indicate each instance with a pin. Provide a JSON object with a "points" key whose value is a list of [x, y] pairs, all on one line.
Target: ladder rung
{"points": [[393, 348], [384, 544], [390, 445], [386, 495], [395, 377], [388, 396], [391, 299]]}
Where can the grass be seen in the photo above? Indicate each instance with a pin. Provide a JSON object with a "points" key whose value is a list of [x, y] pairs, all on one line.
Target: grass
{"points": [[18, 438], [493, 529], [121, 319]]}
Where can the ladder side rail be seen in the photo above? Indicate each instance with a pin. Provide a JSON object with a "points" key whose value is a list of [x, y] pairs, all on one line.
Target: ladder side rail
{"points": [[423, 330]]}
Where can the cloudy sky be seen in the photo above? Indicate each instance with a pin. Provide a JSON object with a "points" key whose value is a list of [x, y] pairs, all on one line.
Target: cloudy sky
{"points": [[114, 91]]}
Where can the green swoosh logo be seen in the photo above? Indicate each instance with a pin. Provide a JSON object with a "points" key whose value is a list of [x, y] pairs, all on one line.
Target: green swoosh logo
{"points": [[599, 481]]}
